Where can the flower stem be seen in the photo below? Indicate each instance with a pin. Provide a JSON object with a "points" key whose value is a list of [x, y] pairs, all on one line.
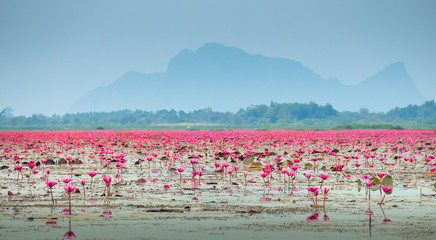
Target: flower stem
{"points": [[69, 196], [51, 193]]}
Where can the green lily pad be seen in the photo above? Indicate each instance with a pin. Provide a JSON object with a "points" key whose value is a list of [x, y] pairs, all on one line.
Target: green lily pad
{"points": [[388, 181], [434, 187], [375, 184], [375, 181]]}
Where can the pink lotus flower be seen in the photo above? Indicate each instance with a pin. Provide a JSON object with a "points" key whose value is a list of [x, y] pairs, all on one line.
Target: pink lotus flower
{"points": [[325, 190], [386, 188], [323, 176], [51, 184], [69, 188], [381, 175], [107, 180], [368, 185], [66, 180], [340, 166], [92, 175]]}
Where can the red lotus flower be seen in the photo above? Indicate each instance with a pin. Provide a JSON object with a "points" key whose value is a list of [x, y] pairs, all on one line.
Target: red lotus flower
{"points": [[323, 176], [51, 184], [66, 180], [107, 180], [69, 188]]}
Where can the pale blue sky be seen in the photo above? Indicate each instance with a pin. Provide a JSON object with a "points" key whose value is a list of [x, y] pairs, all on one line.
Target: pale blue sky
{"points": [[53, 52]]}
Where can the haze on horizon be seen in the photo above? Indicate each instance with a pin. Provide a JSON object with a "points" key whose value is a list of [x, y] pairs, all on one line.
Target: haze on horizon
{"points": [[53, 52]]}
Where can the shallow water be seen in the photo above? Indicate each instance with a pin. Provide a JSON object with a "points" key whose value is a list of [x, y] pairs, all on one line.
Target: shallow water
{"points": [[350, 222], [219, 209], [343, 218]]}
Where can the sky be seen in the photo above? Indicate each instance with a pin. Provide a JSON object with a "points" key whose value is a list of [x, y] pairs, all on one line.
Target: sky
{"points": [[53, 52]]}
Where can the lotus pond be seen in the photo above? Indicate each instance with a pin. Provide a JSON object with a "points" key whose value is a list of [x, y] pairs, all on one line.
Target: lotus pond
{"points": [[217, 184]]}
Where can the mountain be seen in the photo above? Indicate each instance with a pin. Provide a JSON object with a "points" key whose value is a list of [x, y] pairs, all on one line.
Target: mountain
{"points": [[227, 79]]}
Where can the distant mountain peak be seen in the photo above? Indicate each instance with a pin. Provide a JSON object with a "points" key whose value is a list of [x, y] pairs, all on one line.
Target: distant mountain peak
{"points": [[228, 78], [394, 73], [207, 57], [213, 48], [397, 65], [397, 68]]}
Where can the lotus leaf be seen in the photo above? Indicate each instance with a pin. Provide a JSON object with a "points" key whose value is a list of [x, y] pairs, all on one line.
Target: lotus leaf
{"points": [[388, 181]]}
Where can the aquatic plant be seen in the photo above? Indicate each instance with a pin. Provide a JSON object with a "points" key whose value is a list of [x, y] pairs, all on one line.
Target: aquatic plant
{"points": [[69, 189], [50, 185], [82, 182], [385, 189], [92, 175], [107, 180]]}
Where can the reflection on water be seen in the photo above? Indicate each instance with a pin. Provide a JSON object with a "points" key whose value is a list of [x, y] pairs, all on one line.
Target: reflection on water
{"points": [[69, 234], [369, 213], [325, 218], [107, 213], [349, 222], [315, 216], [385, 220]]}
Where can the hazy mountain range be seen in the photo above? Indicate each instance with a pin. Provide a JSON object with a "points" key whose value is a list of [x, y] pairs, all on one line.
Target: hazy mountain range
{"points": [[227, 79]]}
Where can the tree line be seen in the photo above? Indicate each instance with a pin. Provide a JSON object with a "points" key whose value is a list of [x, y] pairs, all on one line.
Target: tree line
{"points": [[272, 116]]}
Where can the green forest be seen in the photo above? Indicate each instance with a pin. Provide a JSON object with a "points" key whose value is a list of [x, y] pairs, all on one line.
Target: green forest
{"points": [[297, 116]]}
